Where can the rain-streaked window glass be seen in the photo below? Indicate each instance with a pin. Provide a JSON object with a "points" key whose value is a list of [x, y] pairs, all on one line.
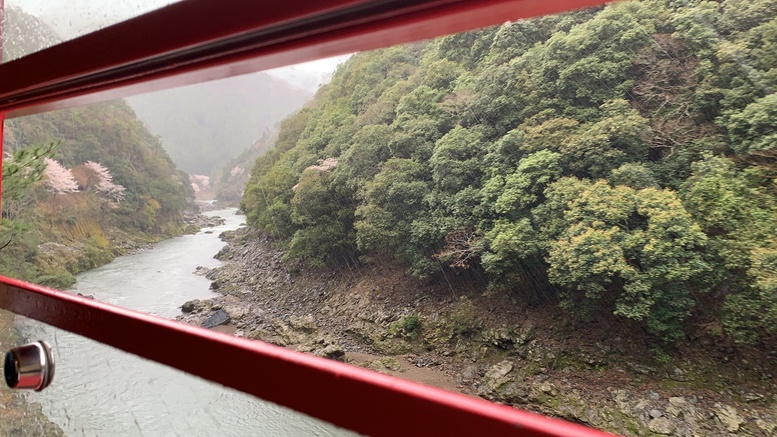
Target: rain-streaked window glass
{"points": [[95, 202], [101, 391], [32, 25], [574, 214]]}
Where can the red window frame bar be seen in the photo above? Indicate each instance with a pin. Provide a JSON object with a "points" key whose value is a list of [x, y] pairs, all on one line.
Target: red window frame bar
{"points": [[222, 39]]}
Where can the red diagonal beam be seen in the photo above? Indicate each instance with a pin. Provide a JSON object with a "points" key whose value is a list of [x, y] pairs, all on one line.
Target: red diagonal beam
{"points": [[198, 40], [347, 396]]}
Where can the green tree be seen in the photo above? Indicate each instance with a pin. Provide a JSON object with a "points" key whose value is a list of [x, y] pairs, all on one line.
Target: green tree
{"points": [[266, 201], [393, 201], [636, 253], [364, 157], [523, 189], [594, 150], [739, 212], [21, 170], [752, 131], [456, 167], [634, 175], [324, 218], [751, 314]]}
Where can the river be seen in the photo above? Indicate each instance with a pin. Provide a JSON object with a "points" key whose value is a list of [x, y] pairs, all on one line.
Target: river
{"points": [[101, 391]]}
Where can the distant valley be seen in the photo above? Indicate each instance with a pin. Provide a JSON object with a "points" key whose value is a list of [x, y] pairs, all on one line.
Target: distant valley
{"points": [[202, 126]]}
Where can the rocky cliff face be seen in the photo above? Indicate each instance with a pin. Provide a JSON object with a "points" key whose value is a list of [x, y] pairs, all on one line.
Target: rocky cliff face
{"points": [[464, 337]]}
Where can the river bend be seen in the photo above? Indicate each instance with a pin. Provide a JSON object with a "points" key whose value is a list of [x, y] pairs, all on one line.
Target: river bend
{"points": [[101, 391]]}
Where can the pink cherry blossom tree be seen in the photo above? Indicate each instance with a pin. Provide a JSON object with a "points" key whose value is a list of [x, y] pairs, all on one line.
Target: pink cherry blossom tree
{"points": [[59, 180], [100, 170], [106, 187], [201, 180]]}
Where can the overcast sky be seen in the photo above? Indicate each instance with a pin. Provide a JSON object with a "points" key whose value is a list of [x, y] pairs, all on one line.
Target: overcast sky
{"points": [[321, 66]]}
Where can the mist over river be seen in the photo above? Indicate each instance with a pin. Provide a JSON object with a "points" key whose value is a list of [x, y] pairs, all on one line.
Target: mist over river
{"points": [[100, 391]]}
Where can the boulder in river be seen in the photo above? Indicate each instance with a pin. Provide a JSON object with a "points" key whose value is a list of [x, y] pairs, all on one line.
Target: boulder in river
{"points": [[218, 317], [191, 306]]}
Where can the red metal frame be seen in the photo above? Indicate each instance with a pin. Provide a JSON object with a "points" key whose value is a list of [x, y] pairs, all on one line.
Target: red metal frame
{"points": [[212, 39], [2, 113], [198, 40], [2, 124], [364, 401]]}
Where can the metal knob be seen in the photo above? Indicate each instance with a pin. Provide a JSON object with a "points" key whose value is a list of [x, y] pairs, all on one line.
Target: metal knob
{"points": [[30, 366]]}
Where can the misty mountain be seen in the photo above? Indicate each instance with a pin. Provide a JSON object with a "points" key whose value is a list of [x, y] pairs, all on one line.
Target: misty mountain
{"points": [[204, 125], [231, 178], [24, 34]]}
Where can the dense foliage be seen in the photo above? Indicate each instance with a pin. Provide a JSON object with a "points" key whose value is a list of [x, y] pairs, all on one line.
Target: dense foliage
{"points": [[109, 133], [616, 160], [103, 180]]}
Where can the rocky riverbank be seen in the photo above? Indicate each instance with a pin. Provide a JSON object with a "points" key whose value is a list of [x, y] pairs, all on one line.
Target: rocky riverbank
{"points": [[462, 336]]}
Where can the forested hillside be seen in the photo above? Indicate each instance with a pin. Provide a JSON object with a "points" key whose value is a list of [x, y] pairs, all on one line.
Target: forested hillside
{"points": [[617, 161], [80, 185], [100, 181]]}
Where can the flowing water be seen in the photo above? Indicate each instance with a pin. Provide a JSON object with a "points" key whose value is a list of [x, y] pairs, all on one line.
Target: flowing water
{"points": [[100, 391]]}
